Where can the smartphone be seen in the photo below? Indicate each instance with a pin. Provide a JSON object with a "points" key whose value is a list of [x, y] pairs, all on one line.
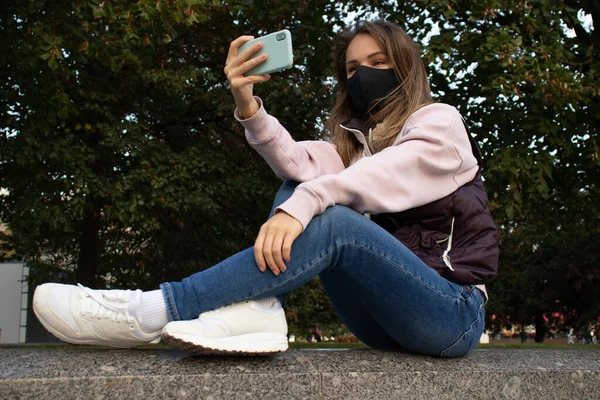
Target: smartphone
{"points": [[278, 47]]}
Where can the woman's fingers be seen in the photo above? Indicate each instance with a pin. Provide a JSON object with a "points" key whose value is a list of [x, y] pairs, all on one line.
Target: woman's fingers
{"points": [[268, 252], [239, 71], [233, 47], [263, 250], [258, 249], [239, 64], [236, 59], [253, 62], [277, 252], [287, 247], [268, 249], [273, 245], [248, 80]]}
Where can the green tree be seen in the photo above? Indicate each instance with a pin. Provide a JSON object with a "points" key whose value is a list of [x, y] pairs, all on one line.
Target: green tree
{"points": [[6, 253], [80, 142], [555, 272]]}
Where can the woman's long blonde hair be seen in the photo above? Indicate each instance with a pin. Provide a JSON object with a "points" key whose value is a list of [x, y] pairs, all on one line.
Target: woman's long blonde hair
{"points": [[412, 94]]}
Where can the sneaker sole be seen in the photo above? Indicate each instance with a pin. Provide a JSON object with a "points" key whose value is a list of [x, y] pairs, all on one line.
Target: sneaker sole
{"points": [[253, 344]]}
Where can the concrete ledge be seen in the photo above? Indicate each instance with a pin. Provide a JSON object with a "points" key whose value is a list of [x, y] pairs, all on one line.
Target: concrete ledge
{"points": [[83, 373]]}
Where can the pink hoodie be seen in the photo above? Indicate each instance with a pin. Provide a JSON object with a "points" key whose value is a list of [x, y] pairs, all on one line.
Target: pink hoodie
{"points": [[430, 158]]}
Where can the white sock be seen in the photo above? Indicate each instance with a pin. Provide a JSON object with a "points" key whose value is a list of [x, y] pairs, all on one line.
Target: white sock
{"points": [[269, 302], [151, 311]]}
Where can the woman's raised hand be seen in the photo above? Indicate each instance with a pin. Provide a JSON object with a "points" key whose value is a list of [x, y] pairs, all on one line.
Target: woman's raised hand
{"points": [[235, 68]]}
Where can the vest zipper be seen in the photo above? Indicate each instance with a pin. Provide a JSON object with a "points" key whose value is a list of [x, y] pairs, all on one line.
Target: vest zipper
{"points": [[445, 256]]}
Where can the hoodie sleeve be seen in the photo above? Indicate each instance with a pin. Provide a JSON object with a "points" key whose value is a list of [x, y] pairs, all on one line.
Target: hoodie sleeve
{"points": [[431, 158], [290, 160]]}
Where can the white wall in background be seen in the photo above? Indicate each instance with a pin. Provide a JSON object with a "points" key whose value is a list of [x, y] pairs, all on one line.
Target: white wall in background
{"points": [[13, 302]]}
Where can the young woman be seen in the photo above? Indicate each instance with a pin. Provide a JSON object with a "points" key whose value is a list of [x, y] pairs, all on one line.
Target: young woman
{"points": [[392, 216]]}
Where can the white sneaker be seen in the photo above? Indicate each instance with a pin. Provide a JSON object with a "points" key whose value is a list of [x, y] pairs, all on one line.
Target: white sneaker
{"points": [[246, 328], [79, 315]]}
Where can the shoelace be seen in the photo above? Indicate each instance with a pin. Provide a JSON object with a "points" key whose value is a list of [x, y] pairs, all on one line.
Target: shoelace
{"points": [[97, 304]]}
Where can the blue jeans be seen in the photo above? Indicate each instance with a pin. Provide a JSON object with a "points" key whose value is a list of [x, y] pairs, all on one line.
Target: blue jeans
{"points": [[384, 294]]}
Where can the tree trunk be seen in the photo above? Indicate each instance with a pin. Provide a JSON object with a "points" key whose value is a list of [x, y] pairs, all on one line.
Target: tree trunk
{"points": [[89, 248], [540, 327]]}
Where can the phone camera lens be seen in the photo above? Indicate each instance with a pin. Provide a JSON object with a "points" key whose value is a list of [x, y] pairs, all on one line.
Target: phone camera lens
{"points": [[280, 36]]}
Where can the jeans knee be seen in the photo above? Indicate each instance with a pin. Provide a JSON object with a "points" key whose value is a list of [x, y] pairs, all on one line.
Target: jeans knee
{"points": [[340, 213], [339, 220]]}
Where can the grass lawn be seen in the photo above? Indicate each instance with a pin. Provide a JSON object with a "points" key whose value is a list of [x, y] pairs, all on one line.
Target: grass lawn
{"points": [[533, 345], [529, 345]]}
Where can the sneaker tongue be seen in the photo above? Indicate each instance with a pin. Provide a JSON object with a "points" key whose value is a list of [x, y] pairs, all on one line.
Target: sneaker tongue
{"points": [[104, 302]]}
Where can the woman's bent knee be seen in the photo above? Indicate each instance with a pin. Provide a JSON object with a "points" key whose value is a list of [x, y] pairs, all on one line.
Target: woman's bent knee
{"points": [[343, 211], [340, 214]]}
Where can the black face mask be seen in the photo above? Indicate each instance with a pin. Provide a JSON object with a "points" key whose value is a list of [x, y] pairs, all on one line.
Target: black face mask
{"points": [[368, 85]]}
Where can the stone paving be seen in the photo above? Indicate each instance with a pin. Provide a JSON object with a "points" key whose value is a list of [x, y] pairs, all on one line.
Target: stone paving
{"points": [[88, 373]]}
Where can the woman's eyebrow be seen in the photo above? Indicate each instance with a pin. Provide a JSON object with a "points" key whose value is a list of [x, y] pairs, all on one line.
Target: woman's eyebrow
{"points": [[369, 56]]}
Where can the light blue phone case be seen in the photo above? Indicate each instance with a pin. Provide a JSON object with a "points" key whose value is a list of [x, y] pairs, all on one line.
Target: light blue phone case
{"points": [[278, 46]]}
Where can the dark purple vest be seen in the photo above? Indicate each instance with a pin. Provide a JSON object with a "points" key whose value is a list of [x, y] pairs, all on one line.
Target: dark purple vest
{"points": [[425, 230]]}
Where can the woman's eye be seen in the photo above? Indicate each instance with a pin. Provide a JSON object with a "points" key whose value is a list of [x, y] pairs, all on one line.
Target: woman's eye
{"points": [[379, 62]]}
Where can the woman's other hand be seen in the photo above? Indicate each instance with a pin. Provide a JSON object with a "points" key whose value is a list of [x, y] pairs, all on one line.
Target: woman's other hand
{"points": [[235, 68], [273, 245]]}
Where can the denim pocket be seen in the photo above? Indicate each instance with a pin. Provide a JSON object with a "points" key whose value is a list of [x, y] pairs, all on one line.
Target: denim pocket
{"points": [[469, 293], [468, 340]]}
